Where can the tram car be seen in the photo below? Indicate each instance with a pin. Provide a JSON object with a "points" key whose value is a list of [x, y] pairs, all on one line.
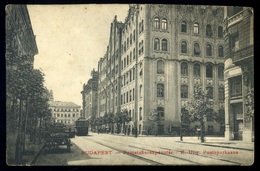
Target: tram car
{"points": [[82, 125]]}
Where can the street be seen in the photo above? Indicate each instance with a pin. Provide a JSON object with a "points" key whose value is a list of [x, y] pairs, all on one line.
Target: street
{"points": [[107, 149]]}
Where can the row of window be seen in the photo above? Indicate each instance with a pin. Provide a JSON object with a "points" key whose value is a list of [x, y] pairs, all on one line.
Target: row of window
{"points": [[196, 69], [221, 96], [128, 77], [65, 110], [65, 115], [128, 97], [64, 121], [127, 60], [162, 45], [163, 24]]}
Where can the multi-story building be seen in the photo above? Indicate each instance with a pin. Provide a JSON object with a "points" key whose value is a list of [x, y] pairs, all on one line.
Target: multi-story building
{"points": [[155, 58], [89, 96], [65, 112], [239, 73]]}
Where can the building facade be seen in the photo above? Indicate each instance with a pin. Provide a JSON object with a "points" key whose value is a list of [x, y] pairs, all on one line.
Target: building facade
{"points": [[156, 57], [89, 96], [65, 112], [239, 73]]}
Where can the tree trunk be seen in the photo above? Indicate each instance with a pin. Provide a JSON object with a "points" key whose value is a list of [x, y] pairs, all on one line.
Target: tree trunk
{"points": [[202, 131], [18, 155]]}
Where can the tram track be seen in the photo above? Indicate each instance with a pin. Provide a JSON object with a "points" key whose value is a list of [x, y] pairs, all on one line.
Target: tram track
{"points": [[175, 150]]}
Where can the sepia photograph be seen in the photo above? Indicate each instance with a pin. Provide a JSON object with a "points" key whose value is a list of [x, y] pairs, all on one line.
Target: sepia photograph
{"points": [[129, 85]]}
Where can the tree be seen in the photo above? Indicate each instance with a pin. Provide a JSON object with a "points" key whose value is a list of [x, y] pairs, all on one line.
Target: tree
{"points": [[201, 107]]}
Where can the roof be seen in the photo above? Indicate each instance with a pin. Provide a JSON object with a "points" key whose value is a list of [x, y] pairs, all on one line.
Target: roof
{"points": [[63, 104]]}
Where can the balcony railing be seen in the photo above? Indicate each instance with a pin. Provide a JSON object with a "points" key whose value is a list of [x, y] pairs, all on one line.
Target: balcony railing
{"points": [[242, 54]]}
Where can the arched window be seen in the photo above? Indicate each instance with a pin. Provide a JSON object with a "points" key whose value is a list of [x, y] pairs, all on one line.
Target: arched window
{"points": [[160, 90], [156, 23], [209, 32], [164, 44], [156, 44], [160, 67], [196, 49], [196, 28], [184, 26], [220, 32], [209, 50], [184, 91], [209, 71], [164, 24], [220, 51], [160, 111], [183, 47], [184, 69], [196, 70], [221, 72]]}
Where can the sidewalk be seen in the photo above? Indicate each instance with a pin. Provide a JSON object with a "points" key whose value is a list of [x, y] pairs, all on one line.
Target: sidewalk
{"points": [[209, 141]]}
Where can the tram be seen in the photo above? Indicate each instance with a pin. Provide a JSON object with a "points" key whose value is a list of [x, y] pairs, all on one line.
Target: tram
{"points": [[82, 125]]}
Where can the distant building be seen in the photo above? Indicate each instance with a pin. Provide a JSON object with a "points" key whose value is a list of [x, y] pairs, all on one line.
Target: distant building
{"points": [[89, 96], [239, 73], [65, 112], [154, 59]]}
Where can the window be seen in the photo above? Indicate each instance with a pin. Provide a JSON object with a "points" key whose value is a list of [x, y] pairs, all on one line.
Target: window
{"points": [[133, 73], [164, 24], [236, 86], [208, 30], [209, 72], [124, 46], [142, 25], [196, 49], [141, 47], [220, 32], [141, 90], [160, 90], [221, 72], [184, 69], [164, 45], [156, 44], [134, 54], [127, 60], [184, 26], [124, 62], [134, 35], [58, 115], [133, 94], [221, 94], [210, 92], [68, 115], [156, 23], [209, 50], [126, 97], [220, 51], [130, 75], [131, 41], [196, 70], [130, 95], [121, 99], [196, 28], [160, 111], [130, 57], [127, 45], [234, 42], [183, 47], [184, 91], [140, 113], [160, 67]]}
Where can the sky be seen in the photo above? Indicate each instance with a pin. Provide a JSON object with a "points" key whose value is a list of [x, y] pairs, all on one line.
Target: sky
{"points": [[71, 39]]}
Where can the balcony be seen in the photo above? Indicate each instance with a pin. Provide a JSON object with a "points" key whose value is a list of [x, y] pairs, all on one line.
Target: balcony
{"points": [[243, 54], [238, 17]]}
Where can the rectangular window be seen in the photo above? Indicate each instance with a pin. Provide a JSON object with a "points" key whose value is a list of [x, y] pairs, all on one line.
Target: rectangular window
{"points": [[236, 86], [221, 94], [234, 42], [184, 91]]}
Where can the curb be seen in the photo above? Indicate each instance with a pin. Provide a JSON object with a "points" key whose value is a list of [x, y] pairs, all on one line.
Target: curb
{"points": [[35, 157]]}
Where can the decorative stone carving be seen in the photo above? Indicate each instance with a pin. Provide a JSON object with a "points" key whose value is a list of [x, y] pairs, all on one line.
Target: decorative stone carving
{"points": [[160, 78], [197, 81], [221, 105], [184, 80], [221, 83], [160, 102], [209, 82], [184, 103]]}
